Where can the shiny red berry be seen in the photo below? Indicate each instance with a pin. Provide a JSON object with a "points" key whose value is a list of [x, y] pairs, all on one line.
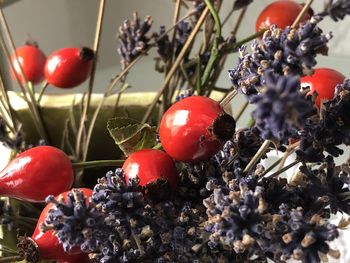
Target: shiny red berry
{"points": [[150, 166], [32, 61], [323, 81], [46, 244], [37, 173], [194, 129], [281, 13], [69, 67]]}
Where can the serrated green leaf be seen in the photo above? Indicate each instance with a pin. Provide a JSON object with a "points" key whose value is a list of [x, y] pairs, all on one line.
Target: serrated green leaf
{"points": [[130, 135]]}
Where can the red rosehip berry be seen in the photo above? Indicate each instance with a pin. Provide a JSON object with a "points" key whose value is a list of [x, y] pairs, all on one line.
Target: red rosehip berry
{"points": [[46, 245], [69, 67], [323, 81], [281, 13], [37, 173], [32, 61], [195, 128], [150, 166]]}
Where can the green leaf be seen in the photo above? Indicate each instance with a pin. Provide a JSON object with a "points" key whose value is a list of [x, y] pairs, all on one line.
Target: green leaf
{"points": [[130, 135]]}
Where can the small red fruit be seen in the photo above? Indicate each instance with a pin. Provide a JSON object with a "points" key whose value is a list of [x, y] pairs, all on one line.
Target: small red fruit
{"points": [[47, 244], [194, 129], [69, 67], [37, 173], [150, 165], [281, 13], [323, 81], [32, 61]]}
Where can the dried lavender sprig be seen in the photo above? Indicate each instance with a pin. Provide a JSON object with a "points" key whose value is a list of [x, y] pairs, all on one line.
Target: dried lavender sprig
{"points": [[280, 108], [326, 134], [302, 237], [336, 9], [133, 39], [73, 220], [288, 51]]}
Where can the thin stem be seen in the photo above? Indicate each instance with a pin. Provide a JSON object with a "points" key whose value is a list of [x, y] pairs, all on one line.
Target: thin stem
{"points": [[234, 46], [42, 91], [96, 46], [176, 64], [224, 21], [302, 13], [241, 111], [99, 106], [239, 21], [229, 96], [271, 167], [291, 149], [98, 163], [10, 259], [25, 89], [257, 156], [7, 104], [283, 169], [214, 54]]}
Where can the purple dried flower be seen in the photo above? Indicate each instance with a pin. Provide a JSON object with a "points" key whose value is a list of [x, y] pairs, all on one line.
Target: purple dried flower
{"points": [[133, 39], [336, 9], [285, 52], [235, 219], [301, 237], [73, 221], [319, 135], [280, 109]]}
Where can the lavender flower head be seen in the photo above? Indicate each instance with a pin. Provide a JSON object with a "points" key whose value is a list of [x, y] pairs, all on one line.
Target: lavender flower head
{"points": [[336, 9], [326, 133], [133, 39], [302, 238], [235, 219], [289, 51], [72, 220], [280, 108]]}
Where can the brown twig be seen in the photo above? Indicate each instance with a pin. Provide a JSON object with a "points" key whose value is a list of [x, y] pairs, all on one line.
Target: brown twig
{"points": [[257, 156], [28, 95], [176, 64], [302, 13], [96, 45]]}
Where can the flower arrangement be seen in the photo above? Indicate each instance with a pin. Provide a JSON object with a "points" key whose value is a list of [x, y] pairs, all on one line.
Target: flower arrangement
{"points": [[189, 186]]}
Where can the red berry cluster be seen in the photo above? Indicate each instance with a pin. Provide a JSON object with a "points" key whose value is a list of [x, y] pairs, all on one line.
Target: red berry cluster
{"points": [[66, 68]]}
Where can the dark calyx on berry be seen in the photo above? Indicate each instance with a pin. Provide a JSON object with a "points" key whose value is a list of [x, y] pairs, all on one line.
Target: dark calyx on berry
{"points": [[158, 190], [87, 54], [224, 127], [28, 249], [31, 43]]}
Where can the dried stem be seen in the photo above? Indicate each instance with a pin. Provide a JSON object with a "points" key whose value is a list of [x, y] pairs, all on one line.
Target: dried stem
{"points": [[302, 13], [24, 87], [99, 107], [241, 111], [42, 91], [283, 169], [5, 100], [98, 163], [239, 21], [257, 156], [228, 97], [96, 45], [214, 54], [176, 64]]}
